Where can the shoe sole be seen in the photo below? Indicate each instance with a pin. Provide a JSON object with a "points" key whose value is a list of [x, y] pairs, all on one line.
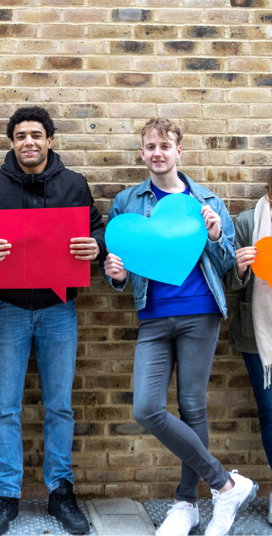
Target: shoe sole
{"points": [[249, 499], [191, 530], [67, 528]]}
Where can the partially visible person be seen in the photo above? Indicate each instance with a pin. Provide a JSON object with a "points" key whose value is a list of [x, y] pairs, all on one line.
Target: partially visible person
{"points": [[180, 325], [250, 329], [33, 176]]}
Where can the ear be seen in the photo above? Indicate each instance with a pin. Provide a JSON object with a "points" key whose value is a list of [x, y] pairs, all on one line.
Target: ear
{"points": [[179, 150], [142, 154], [49, 141]]}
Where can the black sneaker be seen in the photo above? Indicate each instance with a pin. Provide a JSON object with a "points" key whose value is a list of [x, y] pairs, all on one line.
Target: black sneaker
{"points": [[63, 505], [9, 510]]}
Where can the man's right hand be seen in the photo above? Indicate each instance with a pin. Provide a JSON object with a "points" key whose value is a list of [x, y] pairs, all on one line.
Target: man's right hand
{"points": [[114, 267], [4, 249]]}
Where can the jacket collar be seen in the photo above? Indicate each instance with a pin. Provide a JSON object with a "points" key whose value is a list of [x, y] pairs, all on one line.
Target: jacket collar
{"points": [[197, 191], [8, 168]]}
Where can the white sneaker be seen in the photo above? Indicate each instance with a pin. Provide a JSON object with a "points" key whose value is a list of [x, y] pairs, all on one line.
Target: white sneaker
{"points": [[181, 518], [227, 504], [270, 508]]}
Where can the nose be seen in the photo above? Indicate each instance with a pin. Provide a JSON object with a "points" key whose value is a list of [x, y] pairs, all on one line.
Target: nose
{"points": [[28, 140], [157, 151]]}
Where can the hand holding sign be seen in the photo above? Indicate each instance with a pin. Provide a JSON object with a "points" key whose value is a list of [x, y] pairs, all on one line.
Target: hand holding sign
{"points": [[245, 257], [164, 247], [262, 266], [114, 267], [84, 249], [4, 249], [40, 256], [212, 222]]}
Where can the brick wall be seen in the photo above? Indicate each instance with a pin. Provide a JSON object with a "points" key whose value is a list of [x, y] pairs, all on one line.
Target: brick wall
{"points": [[102, 68]]}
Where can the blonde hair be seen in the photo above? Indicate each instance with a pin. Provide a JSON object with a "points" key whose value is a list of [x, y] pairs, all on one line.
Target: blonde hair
{"points": [[268, 188], [163, 127]]}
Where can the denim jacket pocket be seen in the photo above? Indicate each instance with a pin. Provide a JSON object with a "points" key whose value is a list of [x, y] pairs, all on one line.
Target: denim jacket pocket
{"points": [[2, 303]]}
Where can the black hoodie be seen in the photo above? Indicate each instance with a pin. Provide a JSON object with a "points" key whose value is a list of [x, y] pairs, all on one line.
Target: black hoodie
{"points": [[57, 186]]}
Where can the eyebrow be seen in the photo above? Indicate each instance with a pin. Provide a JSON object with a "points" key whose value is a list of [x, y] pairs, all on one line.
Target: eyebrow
{"points": [[32, 132], [153, 143]]}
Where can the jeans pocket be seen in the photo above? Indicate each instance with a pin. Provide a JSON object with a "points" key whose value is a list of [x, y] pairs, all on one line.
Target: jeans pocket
{"points": [[68, 305]]}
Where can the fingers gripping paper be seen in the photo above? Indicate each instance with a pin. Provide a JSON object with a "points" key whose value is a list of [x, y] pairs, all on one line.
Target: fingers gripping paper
{"points": [[40, 255], [164, 247]]}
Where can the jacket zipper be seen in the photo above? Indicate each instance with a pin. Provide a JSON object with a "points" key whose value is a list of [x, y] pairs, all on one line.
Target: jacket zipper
{"points": [[34, 202]]}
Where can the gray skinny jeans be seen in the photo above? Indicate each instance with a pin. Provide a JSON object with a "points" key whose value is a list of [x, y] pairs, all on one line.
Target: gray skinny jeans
{"points": [[189, 341]]}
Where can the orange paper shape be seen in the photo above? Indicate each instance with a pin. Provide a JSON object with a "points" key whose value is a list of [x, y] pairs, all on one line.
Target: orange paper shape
{"points": [[262, 267], [40, 255]]}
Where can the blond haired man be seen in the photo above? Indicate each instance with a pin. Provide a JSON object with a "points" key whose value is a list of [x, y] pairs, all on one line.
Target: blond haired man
{"points": [[180, 325]]}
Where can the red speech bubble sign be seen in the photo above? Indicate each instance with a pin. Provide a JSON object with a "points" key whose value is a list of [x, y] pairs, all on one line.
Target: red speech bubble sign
{"points": [[40, 255], [262, 267]]}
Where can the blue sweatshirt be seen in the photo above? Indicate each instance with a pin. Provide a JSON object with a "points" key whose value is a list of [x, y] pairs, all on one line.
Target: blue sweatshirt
{"points": [[191, 298]]}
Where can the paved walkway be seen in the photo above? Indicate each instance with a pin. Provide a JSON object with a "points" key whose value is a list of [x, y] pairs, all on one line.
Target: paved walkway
{"points": [[124, 517]]}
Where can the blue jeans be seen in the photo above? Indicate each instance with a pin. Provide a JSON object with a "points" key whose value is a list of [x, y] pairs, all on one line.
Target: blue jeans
{"points": [[263, 398], [54, 333], [189, 342]]}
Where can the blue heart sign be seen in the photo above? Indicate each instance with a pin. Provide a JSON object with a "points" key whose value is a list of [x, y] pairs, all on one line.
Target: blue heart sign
{"points": [[164, 247]]}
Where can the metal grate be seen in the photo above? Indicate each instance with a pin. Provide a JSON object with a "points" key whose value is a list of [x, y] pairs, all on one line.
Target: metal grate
{"points": [[251, 522], [33, 520]]}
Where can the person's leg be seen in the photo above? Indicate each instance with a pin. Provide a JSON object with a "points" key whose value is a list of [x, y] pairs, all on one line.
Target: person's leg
{"points": [[196, 339], [263, 398], [153, 365], [56, 347], [153, 368], [15, 346]]}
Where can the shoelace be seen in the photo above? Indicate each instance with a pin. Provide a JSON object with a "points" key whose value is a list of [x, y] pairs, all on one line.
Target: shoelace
{"points": [[216, 496], [70, 503], [221, 508], [179, 506]]}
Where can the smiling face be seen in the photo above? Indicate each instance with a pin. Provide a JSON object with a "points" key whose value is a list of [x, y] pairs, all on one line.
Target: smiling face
{"points": [[31, 146], [160, 154]]}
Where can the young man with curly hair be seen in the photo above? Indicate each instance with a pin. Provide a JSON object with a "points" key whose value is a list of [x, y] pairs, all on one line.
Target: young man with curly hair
{"points": [[33, 176]]}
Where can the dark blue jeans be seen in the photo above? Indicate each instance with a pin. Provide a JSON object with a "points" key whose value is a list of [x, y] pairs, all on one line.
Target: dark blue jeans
{"points": [[188, 341], [54, 332], [263, 398]]}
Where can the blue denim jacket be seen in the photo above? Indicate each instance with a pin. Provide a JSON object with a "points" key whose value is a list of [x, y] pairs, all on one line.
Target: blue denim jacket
{"points": [[217, 258]]}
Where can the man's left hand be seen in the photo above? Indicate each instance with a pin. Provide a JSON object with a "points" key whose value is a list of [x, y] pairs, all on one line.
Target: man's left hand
{"points": [[212, 222], [84, 249]]}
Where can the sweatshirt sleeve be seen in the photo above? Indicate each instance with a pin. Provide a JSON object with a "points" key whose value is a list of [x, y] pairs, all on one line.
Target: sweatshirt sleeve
{"points": [[118, 285], [97, 228], [242, 239]]}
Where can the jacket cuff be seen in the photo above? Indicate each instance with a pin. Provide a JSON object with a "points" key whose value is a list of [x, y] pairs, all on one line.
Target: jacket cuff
{"points": [[102, 248], [119, 285], [212, 245], [241, 282]]}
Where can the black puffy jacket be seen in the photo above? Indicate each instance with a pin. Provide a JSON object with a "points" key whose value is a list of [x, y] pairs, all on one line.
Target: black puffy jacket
{"points": [[57, 186]]}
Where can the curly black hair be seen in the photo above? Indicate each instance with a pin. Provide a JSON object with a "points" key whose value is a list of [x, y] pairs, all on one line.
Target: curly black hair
{"points": [[31, 113]]}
